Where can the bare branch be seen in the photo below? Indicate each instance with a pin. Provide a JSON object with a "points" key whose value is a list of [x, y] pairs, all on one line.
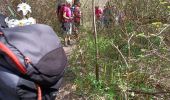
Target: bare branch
{"points": [[121, 54], [162, 30], [149, 93]]}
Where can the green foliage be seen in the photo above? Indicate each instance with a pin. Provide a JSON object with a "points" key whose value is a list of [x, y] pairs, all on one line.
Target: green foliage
{"points": [[140, 48]]}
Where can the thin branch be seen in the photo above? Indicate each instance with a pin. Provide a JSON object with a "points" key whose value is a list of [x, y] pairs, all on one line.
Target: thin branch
{"points": [[163, 57], [129, 45], [96, 40], [146, 93], [149, 93], [162, 30], [121, 54], [85, 3]]}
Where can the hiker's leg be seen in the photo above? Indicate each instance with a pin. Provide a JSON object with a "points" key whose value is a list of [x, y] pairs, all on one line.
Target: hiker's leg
{"points": [[69, 33], [77, 30], [69, 40], [65, 39], [66, 33]]}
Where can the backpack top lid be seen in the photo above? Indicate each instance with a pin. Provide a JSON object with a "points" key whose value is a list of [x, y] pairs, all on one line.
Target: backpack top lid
{"points": [[34, 41]]}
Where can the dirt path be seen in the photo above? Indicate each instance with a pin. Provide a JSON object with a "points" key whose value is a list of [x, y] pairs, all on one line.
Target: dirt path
{"points": [[67, 90], [69, 49]]}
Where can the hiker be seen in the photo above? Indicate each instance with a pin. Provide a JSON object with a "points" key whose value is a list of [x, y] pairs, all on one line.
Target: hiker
{"points": [[67, 23], [76, 18], [59, 12], [99, 16], [108, 15], [105, 18]]}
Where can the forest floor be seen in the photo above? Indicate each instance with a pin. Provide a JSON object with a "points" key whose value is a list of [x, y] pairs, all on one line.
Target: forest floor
{"points": [[68, 87]]}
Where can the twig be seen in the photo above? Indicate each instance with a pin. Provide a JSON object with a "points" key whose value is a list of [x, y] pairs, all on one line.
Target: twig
{"points": [[148, 93], [85, 3], [129, 45], [121, 54], [159, 55], [162, 30], [12, 8]]}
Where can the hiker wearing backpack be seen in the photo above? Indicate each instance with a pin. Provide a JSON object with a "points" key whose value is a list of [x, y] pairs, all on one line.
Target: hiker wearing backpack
{"points": [[77, 18], [109, 15], [99, 16], [59, 12]]}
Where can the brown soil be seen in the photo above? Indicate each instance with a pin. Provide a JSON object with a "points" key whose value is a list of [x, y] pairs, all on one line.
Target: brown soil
{"points": [[68, 88]]}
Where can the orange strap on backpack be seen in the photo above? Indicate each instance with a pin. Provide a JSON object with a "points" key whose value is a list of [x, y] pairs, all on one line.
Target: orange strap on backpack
{"points": [[16, 61]]}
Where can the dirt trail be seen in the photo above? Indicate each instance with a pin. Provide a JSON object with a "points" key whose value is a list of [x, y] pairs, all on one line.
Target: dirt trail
{"points": [[69, 49], [67, 89]]}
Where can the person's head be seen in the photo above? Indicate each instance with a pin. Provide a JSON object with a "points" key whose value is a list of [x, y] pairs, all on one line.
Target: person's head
{"points": [[96, 6], [108, 4], [68, 3], [77, 4]]}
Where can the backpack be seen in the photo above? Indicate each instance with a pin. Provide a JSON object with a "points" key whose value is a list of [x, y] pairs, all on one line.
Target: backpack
{"points": [[32, 63], [60, 12]]}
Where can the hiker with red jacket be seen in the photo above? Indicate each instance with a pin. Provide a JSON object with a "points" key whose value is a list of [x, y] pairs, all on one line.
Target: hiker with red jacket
{"points": [[77, 18], [99, 15], [98, 12]]}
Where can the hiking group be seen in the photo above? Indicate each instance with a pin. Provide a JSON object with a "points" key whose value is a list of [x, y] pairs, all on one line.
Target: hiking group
{"points": [[108, 16], [69, 16]]}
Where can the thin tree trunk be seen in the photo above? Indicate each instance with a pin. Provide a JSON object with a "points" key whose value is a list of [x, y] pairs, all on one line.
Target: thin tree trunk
{"points": [[96, 43]]}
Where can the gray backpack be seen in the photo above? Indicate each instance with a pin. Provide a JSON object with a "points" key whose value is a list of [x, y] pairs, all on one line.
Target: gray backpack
{"points": [[32, 63]]}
